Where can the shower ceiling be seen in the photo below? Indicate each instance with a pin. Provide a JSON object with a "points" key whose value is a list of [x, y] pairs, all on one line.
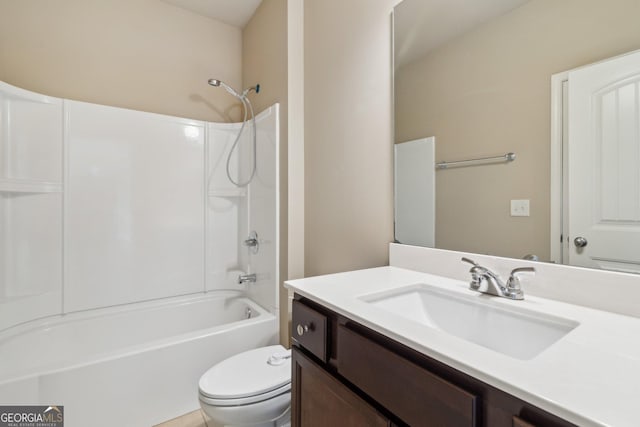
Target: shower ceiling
{"points": [[233, 12]]}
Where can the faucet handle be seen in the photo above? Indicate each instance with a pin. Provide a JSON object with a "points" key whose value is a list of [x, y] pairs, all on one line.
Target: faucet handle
{"points": [[513, 284], [476, 273], [470, 261], [516, 271]]}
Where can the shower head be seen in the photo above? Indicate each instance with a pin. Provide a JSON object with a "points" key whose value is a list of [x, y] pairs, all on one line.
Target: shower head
{"points": [[218, 83]]}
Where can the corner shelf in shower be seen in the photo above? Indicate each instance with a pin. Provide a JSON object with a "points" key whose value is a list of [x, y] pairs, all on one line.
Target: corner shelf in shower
{"points": [[29, 186], [228, 192]]}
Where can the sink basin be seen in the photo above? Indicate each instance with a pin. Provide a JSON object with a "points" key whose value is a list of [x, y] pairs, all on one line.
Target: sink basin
{"points": [[513, 331]]}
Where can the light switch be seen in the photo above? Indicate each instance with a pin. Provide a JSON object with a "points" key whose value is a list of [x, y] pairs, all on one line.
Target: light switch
{"points": [[520, 207]]}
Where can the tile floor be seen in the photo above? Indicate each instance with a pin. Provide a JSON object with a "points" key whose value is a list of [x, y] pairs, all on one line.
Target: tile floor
{"points": [[192, 419]]}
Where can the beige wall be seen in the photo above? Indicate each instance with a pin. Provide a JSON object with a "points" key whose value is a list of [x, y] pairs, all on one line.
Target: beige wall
{"points": [[141, 54], [348, 162], [264, 59], [488, 93]]}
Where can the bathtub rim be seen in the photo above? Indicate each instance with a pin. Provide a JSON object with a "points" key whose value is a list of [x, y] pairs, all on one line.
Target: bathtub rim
{"points": [[61, 318], [132, 350]]}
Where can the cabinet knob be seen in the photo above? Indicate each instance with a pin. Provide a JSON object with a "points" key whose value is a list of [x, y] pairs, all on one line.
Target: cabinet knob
{"points": [[302, 329]]}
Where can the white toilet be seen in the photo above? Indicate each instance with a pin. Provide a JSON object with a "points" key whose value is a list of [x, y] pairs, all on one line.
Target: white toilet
{"points": [[249, 389]]}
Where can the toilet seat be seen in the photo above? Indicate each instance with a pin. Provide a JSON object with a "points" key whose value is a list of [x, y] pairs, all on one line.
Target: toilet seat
{"points": [[246, 400], [246, 378]]}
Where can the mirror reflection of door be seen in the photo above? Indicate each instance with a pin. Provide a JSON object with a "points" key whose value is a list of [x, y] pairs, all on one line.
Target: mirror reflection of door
{"points": [[603, 227], [415, 189]]}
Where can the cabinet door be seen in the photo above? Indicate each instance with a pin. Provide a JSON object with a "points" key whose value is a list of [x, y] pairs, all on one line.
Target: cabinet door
{"points": [[519, 422], [413, 394], [320, 400]]}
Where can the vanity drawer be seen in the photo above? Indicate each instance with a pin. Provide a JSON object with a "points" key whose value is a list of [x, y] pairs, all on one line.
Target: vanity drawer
{"points": [[309, 329], [415, 395]]}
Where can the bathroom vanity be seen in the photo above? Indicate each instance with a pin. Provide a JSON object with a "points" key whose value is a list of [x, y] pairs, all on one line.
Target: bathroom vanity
{"points": [[394, 346], [345, 371]]}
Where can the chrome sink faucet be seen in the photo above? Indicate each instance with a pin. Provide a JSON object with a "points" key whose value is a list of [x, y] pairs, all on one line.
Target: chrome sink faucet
{"points": [[486, 281]]}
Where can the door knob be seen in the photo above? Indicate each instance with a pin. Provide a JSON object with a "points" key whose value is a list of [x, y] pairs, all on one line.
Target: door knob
{"points": [[580, 242]]}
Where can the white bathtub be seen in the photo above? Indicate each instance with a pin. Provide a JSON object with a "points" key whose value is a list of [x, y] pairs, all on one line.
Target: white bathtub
{"points": [[133, 365]]}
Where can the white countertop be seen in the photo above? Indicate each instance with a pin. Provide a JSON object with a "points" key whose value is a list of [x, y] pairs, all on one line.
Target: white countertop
{"points": [[590, 377]]}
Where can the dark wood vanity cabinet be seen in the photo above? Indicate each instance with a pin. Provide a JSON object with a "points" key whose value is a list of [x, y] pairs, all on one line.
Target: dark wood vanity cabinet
{"points": [[321, 400], [345, 374]]}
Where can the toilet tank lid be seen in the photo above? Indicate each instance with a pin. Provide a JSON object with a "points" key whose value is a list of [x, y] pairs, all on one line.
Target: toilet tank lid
{"points": [[248, 374]]}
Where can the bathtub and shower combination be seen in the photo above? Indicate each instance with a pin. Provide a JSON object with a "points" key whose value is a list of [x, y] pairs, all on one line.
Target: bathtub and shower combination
{"points": [[77, 327], [134, 365]]}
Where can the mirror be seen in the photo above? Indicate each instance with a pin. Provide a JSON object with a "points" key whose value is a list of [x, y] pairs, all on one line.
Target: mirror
{"points": [[477, 77]]}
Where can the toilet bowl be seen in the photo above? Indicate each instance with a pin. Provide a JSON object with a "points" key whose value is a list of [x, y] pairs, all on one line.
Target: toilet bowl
{"points": [[252, 388]]}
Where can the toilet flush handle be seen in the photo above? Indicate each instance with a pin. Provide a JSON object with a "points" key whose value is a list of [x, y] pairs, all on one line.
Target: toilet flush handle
{"points": [[277, 359]]}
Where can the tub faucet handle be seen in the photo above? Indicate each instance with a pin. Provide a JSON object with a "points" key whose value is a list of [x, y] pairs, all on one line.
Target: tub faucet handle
{"points": [[252, 242]]}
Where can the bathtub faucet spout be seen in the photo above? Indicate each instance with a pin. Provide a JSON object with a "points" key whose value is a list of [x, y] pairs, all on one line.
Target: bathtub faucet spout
{"points": [[246, 278]]}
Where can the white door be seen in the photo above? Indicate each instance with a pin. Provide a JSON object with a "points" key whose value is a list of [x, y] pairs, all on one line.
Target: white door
{"points": [[604, 165], [415, 189]]}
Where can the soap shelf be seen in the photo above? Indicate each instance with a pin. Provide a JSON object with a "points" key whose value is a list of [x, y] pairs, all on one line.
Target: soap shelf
{"points": [[29, 186], [228, 192]]}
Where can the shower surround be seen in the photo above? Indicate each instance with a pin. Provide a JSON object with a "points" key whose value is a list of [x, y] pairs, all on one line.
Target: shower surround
{"points": [[103, 210]]}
